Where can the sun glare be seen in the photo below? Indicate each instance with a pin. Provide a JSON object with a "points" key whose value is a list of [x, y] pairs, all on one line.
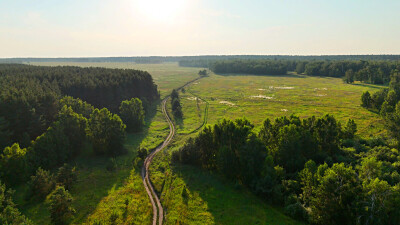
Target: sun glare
{"points": [[161, 10]]}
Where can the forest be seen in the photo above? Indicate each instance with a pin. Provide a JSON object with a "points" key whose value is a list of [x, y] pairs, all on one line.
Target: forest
{"points": [[30, 95], [368, 71], [335, 178], [50, 115]]}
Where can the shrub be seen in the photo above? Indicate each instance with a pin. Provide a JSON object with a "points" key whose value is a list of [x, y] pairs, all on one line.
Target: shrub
{"points": [[60, 201], [41, 184], [66, 176]]}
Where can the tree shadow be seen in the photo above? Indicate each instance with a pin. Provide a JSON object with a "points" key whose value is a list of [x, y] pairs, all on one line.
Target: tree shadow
{"points": [[228, 203], [96, 182], [289, 75], [375, 86]]}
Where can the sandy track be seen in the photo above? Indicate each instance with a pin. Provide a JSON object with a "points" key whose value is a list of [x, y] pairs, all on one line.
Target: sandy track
{"points": [[158, 211]]}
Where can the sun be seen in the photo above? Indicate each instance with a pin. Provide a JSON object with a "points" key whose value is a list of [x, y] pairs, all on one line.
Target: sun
{"points": [[161, 10]]}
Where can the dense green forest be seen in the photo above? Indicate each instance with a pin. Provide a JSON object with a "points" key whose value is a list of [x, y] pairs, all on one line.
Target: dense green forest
{"points": [[316, 168], [29, 97], [369, 71], [44, 124]]}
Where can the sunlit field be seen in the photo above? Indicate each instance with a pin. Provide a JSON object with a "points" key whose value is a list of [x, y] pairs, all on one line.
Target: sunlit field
{"points": [[261, 97]]}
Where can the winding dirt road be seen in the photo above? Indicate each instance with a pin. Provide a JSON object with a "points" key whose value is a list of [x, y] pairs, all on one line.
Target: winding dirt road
{"points": [[155, 201]]}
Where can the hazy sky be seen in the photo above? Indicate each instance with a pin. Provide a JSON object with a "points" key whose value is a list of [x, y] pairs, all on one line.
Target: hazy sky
{"points": [[73, 28]]}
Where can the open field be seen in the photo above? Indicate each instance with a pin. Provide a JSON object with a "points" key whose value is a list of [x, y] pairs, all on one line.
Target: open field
{"points": [[261, 97]]}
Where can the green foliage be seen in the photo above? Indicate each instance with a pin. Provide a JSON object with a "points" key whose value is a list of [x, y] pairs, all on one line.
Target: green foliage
{"points": [[74, 126], [379, 97], [300, 67], [174, 94], [132, 113], [203, 73], [349, 76], [5, 133], [309, 138], [41, 184], [60, 206], [176, 104], [30, 95], [336, 196], [106, 131], [66, 176], [230, 147], [142, 153], [13, 164], [366, 100], [9, 213], [296, 211], [51, 148], [259, 67], [350, 129], [77, 105]]}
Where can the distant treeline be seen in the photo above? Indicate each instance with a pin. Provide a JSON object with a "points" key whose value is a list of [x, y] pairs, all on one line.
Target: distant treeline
{"points": [[372, 71], [29, 95], [259, 67], [161, 59]]}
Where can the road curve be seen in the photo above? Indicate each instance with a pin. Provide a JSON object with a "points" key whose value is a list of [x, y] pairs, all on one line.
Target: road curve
{"points": [[155, 201]]}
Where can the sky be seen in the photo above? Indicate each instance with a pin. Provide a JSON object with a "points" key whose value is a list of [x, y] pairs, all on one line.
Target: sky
{"points": [[95, 28]]}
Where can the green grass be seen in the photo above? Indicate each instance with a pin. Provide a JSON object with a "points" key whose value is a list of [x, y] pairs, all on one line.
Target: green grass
{"points": [[304, 96], [94, 183], [211, 199], [193, 113]]}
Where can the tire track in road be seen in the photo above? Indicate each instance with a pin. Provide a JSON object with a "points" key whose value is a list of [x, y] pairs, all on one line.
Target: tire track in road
{"points": [[158, 211]]}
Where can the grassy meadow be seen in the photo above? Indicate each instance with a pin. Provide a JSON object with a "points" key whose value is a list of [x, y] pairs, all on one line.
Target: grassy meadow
{"points": [[104, 196], [261, 97]]}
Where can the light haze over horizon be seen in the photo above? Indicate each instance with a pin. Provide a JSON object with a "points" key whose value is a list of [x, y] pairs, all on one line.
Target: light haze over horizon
{"points": [[96, 28]]}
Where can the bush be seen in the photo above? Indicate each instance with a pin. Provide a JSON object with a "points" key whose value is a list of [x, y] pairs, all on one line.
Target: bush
{"points": [[66, 176], [296, 211], [60, 201], [13, 164], [41, 184], [9, 214], [132, 113], [142, 153]]}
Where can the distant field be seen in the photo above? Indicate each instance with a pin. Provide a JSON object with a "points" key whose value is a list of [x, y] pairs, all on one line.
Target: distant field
{"points": [[261, 97]]}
